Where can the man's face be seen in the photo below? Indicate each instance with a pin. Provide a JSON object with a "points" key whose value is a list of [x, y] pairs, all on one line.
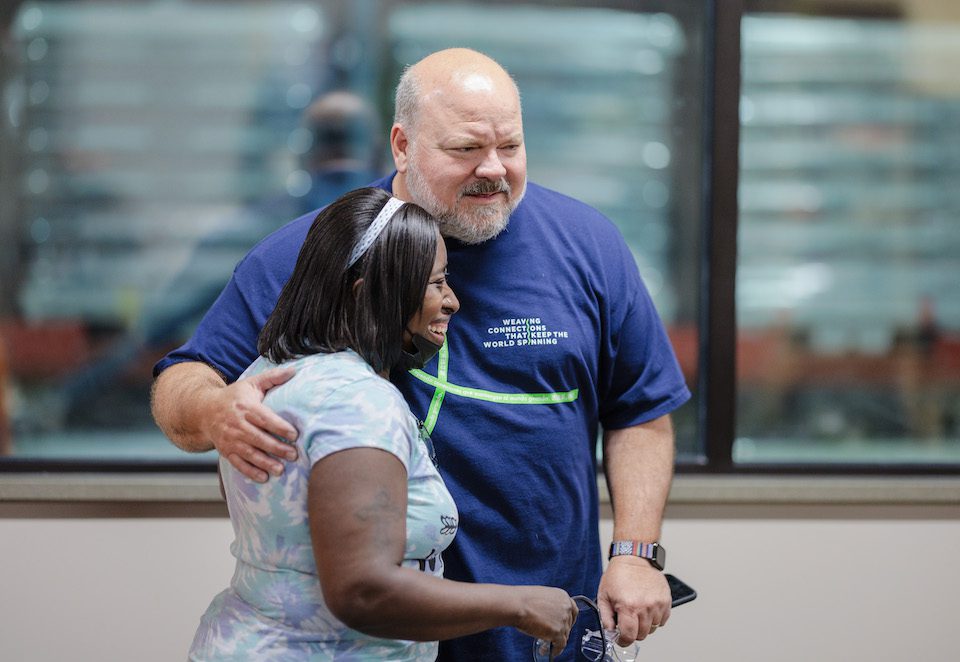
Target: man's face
{"points": [[466, 162]]}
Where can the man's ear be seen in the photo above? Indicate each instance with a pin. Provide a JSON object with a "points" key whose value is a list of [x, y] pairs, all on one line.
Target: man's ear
{"points": [[356, 287], [399, 145]]}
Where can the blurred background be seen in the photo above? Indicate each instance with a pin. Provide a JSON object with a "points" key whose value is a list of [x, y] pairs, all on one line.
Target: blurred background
{"points": [[146, 146]]}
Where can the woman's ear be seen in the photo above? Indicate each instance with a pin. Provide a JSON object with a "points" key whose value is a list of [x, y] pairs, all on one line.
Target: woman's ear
{"points": [[356, 287]]}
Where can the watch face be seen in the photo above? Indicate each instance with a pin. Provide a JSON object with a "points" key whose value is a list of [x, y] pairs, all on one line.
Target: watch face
{"points": [[660, 556]]}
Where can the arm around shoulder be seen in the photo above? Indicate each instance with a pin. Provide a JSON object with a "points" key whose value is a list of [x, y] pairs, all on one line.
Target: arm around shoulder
{"points": [[198, 412], [178, 399]]}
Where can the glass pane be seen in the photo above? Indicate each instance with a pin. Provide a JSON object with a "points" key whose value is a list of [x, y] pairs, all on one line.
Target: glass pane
{"points": [[141, 139], [849, 239], [610, 109], [147, 146]]}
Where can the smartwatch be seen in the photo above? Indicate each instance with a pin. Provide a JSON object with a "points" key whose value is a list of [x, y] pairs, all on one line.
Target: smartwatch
{"points": [[653, 552]]}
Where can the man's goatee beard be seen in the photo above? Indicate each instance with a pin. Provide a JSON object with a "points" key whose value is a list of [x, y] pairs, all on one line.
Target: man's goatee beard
{"points": [[470, 227]]}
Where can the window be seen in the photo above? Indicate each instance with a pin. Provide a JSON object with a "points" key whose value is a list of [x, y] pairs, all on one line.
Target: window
{"points": [[141, 140], [147, 146], [849, 241], [803, 255]]}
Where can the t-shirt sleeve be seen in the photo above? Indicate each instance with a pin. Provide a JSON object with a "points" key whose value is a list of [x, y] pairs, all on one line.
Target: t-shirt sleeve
{"points": [[368, 413], [226, 338], [640, 378]]}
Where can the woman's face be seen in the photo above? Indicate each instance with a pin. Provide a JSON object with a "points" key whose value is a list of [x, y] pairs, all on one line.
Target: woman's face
{"points": [[439, 304]]}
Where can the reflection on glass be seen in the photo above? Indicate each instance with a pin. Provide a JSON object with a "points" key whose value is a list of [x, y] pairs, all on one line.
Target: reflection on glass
{"points": [[849, 319], [151, 144]]}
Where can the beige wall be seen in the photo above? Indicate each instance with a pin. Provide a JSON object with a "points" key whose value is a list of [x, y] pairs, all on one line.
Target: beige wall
{"points": [[798, 586]]}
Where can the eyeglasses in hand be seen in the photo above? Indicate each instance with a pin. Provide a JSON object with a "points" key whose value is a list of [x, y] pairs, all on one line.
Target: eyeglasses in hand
{"points": [[594, 643]]}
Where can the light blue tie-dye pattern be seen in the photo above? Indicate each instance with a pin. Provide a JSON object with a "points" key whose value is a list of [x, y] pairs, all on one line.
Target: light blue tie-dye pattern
{"points": [[274, 608]]}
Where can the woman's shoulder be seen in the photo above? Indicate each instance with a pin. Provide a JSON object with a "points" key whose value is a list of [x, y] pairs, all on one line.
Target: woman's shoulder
{"points": [[366, 390], [341, 377], [341, 405]]}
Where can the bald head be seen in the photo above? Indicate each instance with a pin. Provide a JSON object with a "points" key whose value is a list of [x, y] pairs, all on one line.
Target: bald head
{"points": [[446, 74]]}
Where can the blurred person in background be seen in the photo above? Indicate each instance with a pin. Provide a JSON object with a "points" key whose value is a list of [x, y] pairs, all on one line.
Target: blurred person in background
{"points": [[340, 144], [345, 143]]}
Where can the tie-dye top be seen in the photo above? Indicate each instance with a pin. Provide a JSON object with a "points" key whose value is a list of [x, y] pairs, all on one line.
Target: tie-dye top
{"points": [[274, 608]]}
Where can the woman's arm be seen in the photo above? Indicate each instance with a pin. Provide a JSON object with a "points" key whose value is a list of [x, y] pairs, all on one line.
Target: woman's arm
{"points": [[357, 504]]}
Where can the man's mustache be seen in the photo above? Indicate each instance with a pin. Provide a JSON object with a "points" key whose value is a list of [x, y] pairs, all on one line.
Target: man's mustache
{"points": [[486, 187]]}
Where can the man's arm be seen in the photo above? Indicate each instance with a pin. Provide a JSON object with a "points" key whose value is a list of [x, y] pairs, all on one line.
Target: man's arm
{"points": [[198, 411], [638, 462]]}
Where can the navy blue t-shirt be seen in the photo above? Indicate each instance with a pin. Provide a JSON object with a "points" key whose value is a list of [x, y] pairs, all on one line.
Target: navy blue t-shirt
{"points": [[556, 335]]}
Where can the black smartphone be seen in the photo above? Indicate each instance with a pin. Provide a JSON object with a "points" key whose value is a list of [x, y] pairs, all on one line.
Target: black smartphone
{"points": [[680, 591]]}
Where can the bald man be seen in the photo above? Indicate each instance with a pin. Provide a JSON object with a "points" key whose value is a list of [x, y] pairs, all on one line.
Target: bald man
{"points": [[556, 337]]}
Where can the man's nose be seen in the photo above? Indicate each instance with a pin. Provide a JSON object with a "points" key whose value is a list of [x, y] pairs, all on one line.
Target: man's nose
{"points": [[491, 167]]}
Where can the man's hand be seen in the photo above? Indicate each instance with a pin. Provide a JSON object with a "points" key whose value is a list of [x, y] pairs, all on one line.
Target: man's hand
{"points": [[245, 431], [637, 593], [198, 413]]}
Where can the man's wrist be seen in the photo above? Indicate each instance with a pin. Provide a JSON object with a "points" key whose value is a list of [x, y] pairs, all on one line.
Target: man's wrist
{"points": [[653, 552]]}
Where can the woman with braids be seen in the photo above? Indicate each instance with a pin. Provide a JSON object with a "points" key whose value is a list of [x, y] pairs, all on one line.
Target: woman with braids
{"points": [[339, 557]]}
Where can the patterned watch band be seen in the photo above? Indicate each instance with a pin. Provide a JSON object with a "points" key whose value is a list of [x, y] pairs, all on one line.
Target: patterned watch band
{"points": [[653, 552]]}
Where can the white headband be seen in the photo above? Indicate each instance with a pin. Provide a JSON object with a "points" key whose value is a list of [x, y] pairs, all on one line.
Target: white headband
{"points": [[372, 232]]}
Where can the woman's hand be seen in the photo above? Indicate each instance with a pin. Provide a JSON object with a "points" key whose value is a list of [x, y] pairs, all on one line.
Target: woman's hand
{"points": [[547, 614]]}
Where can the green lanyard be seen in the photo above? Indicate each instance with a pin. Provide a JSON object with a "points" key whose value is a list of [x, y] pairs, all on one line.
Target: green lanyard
{"points": [[442, 387]]}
